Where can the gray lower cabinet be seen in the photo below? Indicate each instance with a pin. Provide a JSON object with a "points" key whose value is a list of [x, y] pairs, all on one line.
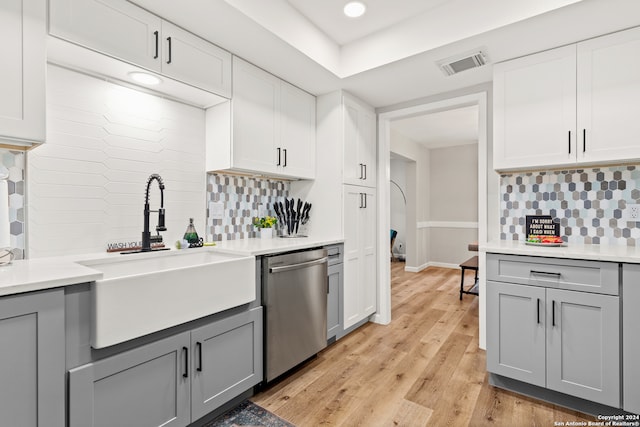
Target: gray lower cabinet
{"points": [[227, 360], [335, 278], [334, 308], [32, 360], [564, 340], [516, 332], [631, 343], [583, 345], [170, 382]]}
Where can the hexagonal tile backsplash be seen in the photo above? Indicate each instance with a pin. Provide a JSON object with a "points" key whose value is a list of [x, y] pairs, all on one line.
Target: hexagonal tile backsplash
{"points": [[241, 197], [14, 161], [589, 204]]}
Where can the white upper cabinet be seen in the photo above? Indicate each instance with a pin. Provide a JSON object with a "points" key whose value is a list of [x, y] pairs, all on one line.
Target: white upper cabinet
{"points": [[571, 105], [535, 110], [273, 127], [122, 30], [608, 94], [22, 75], [298, 131], [359, 143]]}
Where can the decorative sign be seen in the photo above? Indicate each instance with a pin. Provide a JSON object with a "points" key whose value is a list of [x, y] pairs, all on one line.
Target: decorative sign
{"points": [[542, 225]]}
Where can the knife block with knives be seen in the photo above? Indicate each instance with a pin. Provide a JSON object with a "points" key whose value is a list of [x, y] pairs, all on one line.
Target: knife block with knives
{"points": [[291, 216]]}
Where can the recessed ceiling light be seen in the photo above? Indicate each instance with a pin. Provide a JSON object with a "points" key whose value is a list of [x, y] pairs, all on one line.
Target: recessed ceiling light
{"points": [[144, 78], [354, 9]]}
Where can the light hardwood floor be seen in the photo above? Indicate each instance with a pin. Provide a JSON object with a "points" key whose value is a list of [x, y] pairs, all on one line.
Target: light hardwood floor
{"points": [[424, 369]]}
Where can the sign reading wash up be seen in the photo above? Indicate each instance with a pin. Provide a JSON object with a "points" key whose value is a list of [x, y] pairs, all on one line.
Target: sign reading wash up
{"points": [[541, 225]]}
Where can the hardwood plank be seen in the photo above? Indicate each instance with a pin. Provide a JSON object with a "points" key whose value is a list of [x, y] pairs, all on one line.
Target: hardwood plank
{"points": [[425, 368]]}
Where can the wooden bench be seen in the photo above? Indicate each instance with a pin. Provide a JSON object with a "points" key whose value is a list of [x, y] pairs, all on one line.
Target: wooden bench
{"points": [[470, 264]]}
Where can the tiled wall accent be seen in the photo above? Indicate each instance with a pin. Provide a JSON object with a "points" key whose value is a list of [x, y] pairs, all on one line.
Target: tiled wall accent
{"points": [[242, 198], [86, 184], [589, 204], [14, 161]]}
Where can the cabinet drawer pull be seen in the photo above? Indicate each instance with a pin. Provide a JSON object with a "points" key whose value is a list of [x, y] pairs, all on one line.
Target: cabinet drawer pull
{"points": [[185, 350], [365, 172], [584, 140], [365, 200], [361, 201], [553, 313], [538, 310], [279, 152], [548, 273], [285, 158], [169, 42], [199, 347], [156, 34], [569, 142], [360, 170]]}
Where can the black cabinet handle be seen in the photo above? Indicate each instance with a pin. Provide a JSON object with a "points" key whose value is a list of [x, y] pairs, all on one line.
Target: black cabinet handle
{"points": [[538, 310], [365, 200], [199, 347], [285, 158], [279, 152], [553, 313], [157, 35], [549, 273], [360, 170], [361, 201], [569, 142], [169, 42], [185, 374], [365, 172], [584, 140]]}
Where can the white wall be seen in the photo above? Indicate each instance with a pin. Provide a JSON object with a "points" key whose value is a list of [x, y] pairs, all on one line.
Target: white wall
{"points": [[398, 208], [86, 184], [417, 182], [453, 181]]}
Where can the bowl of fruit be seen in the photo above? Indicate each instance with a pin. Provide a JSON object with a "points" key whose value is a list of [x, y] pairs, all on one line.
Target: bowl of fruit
{"points": [[540, 240]]}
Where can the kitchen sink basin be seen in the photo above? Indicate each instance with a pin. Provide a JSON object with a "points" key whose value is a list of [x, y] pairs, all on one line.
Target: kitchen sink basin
{"points": [[145, 293]]}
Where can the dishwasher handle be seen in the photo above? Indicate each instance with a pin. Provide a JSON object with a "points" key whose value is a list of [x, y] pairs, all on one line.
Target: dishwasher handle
{"points": [[290, 267]]}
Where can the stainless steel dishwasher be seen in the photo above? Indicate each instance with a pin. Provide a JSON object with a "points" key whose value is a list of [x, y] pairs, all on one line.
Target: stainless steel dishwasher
{"points": [[294, 294]]}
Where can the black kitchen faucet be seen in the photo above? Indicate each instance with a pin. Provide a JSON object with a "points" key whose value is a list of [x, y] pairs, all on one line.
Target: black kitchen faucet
{"points": [[147, 239]]}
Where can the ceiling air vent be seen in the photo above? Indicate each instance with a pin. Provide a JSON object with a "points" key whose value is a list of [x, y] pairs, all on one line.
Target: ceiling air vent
{"points": [[457, 64]]}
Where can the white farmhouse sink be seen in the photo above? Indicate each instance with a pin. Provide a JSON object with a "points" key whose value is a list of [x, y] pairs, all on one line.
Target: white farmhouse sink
{"points": [[144, 293]]}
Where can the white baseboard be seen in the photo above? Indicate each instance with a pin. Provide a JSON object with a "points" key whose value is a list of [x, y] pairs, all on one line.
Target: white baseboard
{"points": [[431, 264]]}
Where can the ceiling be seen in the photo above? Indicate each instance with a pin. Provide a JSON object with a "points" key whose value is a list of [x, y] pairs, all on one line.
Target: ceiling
{"points": [[441, 129], [388, 57]]}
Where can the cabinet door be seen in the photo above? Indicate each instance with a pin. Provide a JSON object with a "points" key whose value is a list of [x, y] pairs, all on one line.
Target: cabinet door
{"points": [[368, 226], [32, 360], [367, 148], [630, 341], [516, 332], [583, 345], [227, 360], [353, 205], [353, 169], [535, 110], [298, 136], [22, 75], [145, 387], [334, 300], [115, 27], [190, 59], [256, 127], [608, 93]]}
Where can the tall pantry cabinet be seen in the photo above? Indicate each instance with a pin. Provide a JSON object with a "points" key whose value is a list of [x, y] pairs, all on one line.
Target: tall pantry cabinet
{"points": [[346, 125]]}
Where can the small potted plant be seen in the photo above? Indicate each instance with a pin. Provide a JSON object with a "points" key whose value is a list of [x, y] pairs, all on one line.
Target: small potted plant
{"points": [[265, 225]]}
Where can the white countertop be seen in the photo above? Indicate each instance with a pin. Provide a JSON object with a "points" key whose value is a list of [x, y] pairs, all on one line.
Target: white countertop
{"points": [[275, 245], [613, 253], [45, 273]]}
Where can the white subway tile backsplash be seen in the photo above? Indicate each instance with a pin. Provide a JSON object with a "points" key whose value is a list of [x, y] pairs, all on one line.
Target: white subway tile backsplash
{"points": [[87, 182]]}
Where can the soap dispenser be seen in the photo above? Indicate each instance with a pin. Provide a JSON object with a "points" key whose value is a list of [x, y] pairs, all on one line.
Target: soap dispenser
{"points": [[191, 235]]}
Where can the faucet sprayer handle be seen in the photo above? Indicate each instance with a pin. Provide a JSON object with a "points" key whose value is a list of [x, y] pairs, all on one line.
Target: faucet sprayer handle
{"points": [[161, 226]]}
